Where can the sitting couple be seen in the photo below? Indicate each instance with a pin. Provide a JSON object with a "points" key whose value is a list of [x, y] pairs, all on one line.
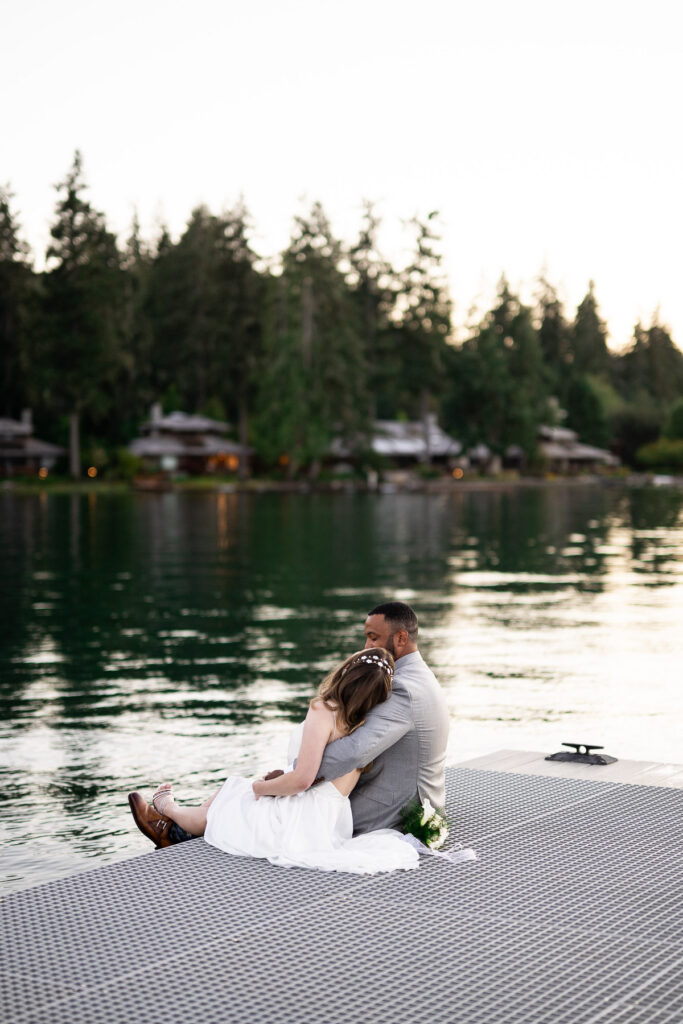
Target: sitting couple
{"points": [[374, 741]]}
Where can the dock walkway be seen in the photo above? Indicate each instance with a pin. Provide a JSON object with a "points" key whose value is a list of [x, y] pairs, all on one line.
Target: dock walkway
{"points": [[573, 913]]}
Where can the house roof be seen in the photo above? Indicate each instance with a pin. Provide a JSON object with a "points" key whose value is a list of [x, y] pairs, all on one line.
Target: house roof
{"points": [[563, 435], [14, 428], [578, 452], [480, 452], [184, 423], [398, 438], [157, 447], [32, 448]]}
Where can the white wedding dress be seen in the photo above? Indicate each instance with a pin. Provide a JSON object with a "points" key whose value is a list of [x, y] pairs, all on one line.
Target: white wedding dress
{"points": [[311, 830]]}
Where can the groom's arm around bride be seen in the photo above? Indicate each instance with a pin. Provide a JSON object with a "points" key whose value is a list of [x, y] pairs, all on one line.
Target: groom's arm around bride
{"points": [[404, 739]]}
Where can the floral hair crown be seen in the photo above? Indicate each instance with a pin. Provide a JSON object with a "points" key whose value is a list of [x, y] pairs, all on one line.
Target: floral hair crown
{"points": [[372, 659]]}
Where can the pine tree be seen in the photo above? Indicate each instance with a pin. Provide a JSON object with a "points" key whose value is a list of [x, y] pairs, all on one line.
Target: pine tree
{"points": [[135, 372], [554, 335], [206, 300], [169, 369], [589, 352], [587, 411], [240, 341], [425, 309], [17, 288], [499, 388], [83, 289], [674, 424], [313, 384], [374, 287]]}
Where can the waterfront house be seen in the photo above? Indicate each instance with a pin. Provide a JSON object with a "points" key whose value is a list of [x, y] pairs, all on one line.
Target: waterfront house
{"points": [[23, 454], [559, 449], [408, 442], [563, 452], [405, 443], [184, 443]]}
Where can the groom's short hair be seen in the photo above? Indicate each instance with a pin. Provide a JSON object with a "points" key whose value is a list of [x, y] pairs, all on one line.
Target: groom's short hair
{"points": [[399, 616]]}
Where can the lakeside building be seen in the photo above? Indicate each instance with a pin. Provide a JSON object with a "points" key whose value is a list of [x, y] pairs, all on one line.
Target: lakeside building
{"points": [[405, 443], [23, 454], [408, 442], [559, 449], [565, 453], [186, 443]]}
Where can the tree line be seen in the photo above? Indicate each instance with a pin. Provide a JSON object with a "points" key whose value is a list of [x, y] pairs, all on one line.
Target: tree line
{"points": [[313, 345]]}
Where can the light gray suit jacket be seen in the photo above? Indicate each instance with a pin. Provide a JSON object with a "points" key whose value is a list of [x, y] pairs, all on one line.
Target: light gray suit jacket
{"points": [[405, 738]]}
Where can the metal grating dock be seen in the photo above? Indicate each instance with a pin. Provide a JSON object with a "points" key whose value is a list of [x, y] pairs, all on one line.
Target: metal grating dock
{"points": [[574, 913]]}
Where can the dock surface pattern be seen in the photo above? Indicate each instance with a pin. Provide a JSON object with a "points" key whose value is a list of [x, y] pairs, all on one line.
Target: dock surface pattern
{"points": [[574, 912]]}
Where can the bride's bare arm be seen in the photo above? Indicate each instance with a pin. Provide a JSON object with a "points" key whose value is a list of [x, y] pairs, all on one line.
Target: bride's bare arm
{"points": [[317, 732]]}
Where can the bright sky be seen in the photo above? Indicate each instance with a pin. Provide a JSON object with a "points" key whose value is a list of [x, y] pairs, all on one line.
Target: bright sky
{"points": [[545, 133]]}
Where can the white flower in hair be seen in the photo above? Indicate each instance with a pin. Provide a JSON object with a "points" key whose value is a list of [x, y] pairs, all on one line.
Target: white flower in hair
{"points": [[375, 659]]}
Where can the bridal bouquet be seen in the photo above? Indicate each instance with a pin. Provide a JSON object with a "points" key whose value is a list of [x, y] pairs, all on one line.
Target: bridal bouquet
{"points": [[425, 823]]}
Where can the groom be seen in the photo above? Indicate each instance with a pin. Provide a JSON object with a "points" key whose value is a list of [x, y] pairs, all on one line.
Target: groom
{"points": [[403, 740]]}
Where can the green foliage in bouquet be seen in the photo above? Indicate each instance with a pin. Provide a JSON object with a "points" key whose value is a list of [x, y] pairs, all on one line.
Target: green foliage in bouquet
{"points": [[425, 823]]}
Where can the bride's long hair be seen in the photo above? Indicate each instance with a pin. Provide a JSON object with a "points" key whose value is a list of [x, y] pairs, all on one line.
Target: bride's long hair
{"points": [[357, 685]]}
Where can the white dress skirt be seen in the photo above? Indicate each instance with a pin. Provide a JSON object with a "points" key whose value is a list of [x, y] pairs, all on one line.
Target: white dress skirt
{"points": [[311, 830]]}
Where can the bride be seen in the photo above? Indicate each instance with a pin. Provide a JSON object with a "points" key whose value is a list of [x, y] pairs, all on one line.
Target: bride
{"points": [[290, 821]]}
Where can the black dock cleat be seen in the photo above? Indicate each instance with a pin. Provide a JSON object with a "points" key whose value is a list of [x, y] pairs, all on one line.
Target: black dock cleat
{"points": [[581, 754]]}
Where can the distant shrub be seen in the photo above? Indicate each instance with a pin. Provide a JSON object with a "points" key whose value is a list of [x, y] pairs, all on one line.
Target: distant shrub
{"points": [[428, 472], [635, 427], [126, 465], [674, 425], [662, 454]]}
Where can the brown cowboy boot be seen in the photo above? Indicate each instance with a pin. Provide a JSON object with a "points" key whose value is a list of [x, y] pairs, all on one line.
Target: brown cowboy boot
{"points": [[155, 826]]}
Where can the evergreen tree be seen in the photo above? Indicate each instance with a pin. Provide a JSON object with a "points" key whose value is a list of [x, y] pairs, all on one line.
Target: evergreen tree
{"points": [[169, 369], [674, 423], [374, 288], [17, 288], [499, 385], [651, 370], [587, 411], [206, 298], [313, 384], [240, 341], [634, 426], [554, 335], [83, 289], [589, 352], [425, 309], [135, 392], [189, 326]]}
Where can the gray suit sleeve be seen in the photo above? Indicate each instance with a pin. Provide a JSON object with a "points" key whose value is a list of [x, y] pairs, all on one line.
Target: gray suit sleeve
{"points": [[384, 726]]}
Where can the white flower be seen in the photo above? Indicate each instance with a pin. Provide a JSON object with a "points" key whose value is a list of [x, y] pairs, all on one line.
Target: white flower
{"points": [[428, 812], [440, 838]]}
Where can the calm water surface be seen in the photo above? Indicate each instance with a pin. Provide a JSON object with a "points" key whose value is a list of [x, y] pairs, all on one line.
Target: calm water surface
{"points": [[180, 636]]}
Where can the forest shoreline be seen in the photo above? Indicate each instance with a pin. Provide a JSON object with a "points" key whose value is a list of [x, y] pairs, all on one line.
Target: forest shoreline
{"points": [[24, 488]]}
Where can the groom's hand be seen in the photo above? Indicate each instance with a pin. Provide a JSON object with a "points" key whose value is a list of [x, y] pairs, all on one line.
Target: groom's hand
{"points": [[269, 776]]}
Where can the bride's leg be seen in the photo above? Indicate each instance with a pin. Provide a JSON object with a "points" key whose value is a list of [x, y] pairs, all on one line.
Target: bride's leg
{"points": [[192, 819]]}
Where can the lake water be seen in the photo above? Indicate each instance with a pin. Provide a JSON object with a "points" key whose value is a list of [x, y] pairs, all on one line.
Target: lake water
{"points": [[180, 636]]}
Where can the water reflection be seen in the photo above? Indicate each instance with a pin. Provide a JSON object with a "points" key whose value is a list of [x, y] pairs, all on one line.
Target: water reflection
{"points": [[144, 636]]}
